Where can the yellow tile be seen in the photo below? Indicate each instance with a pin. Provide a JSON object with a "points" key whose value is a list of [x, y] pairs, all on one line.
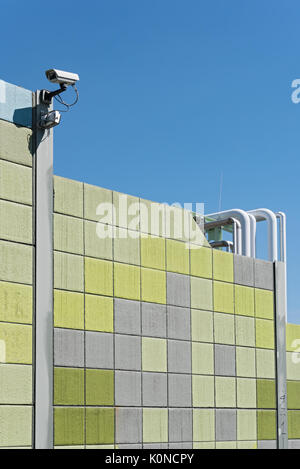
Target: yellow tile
{"points": [[154, 354], [153, 286], [98, 276], [223, 297], [264, 304], [155, 425], [222, 265], [99, 313], [201, 262], [68, 309], [126, 281], [15, 343], [153, 252], [244, 300], [178, 257]]}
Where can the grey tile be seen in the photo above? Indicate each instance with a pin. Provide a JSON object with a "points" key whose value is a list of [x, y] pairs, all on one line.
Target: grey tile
{"points": [[155, 445], [180, 390], [154, 320], [244, 270], [266, 444], [155, 389], [180, 425], [179, 322], [129, 446], [225, 425], [127, 316], [127, 352], [294, 444], [128, 425], [99, 350], [179, 356], [68, 348], [178, 290], [225, 360], [264, 275], [180, 445], [128, 388]]}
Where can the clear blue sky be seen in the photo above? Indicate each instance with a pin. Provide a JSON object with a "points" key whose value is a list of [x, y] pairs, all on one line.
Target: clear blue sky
{"points": [[172, 92]]}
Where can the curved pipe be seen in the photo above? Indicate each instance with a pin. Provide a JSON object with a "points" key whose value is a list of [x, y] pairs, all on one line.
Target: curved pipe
{"points": [[266, 214], [237, 236], [253, 234], [282, 229], [243, 218], [220, 244]]}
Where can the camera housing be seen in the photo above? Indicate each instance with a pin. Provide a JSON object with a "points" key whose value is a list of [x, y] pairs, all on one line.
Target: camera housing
{"points": [[61, 77]]}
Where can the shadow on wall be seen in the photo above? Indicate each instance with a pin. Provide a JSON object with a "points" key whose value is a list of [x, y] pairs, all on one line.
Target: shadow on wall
{"points": [[20, 116], [23, 116]]}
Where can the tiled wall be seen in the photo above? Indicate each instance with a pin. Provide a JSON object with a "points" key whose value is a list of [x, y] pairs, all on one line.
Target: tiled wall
{"points": [[293, 384], [16, 267], [157, 345]]}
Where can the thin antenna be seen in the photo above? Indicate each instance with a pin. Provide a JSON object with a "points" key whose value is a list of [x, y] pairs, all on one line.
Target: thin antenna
{"points": [[221, 189]]}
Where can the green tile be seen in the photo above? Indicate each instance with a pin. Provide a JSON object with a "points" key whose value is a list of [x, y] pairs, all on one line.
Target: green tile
{"points": [[68, 196], [96, 245], [15, 343], [16, 222], [204, 445], [15, 262], [224, 328], [68, 271], [247, 444], [15, 303], [293, 365], [68, 309], [223, 297], [98, 204], [294, 424], [68, 386], [16, 384], [264, 333], [99, 313], [126, 211], [293, 394], [292, 337], [201, 293], [246, 393], [244, 300], [155, 425], [266, 425], [201, 261], [225, 391], [69, 426], [203, 391], [265, 363], [202, 326], [99, 387], [204, 424], [15, 426], [99, 426], [264, 304], [245, 331], [127, 246], [127, 281], [222, 266], [178, 257], [226, 445], [15, 143], [245, 362], [246, 425], [153, 252], [202, 358], [68, 234], [15, 183], [153, 286], [154, 354], [266, 394], [98, 277]]}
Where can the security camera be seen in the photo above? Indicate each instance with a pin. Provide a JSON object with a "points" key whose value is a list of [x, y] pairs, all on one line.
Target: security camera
{"points": [[49, 120], [61, 77], [64, 79]]}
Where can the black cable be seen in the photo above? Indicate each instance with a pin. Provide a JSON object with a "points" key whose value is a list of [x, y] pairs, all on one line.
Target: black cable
{"points": [[61, 101]]}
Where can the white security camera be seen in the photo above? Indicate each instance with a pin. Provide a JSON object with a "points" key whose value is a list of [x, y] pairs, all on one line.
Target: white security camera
{"points": [[61, 77]]}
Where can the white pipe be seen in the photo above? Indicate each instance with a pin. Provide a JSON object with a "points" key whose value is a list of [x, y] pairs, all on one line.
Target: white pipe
{"points": [[266, 214], [282, 229], [253, 234], [243, 217], [237, 236]]}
